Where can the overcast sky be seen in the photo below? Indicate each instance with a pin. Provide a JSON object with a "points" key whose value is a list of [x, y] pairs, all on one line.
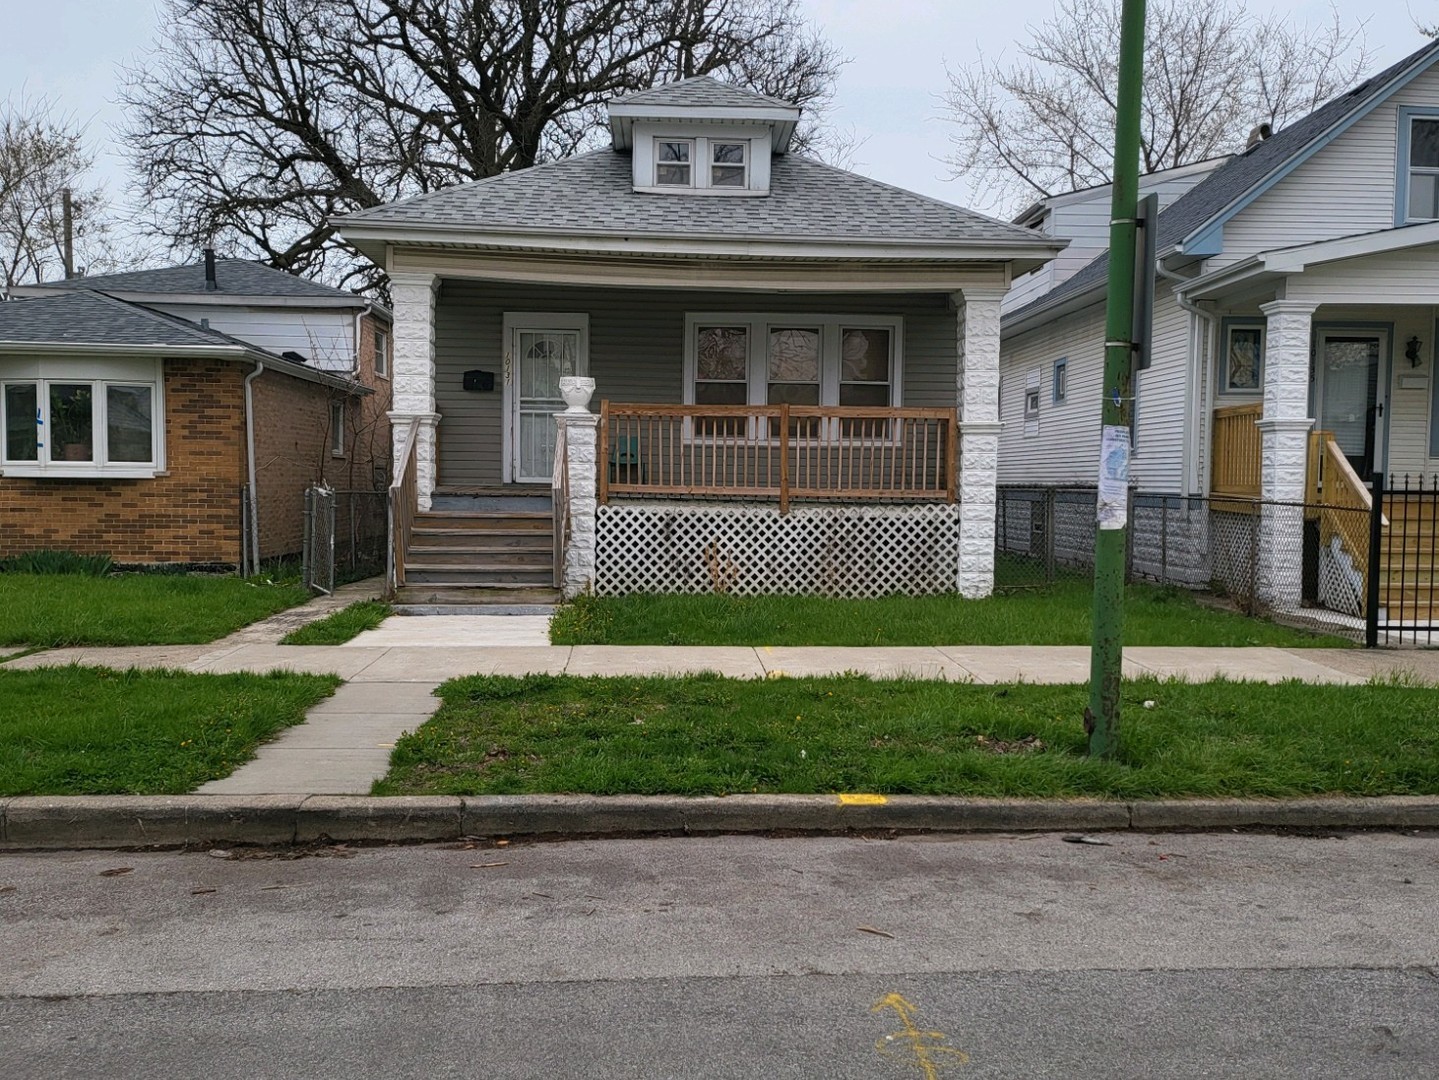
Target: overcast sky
{"points": [[70, 50]]}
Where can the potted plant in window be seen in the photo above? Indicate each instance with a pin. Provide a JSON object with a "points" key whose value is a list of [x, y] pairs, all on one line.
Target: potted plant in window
{"points": [[72, 430]]}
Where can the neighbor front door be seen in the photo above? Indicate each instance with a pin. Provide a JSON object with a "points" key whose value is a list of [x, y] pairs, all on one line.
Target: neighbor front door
{"points": [[1349, 378], [541, 349]]}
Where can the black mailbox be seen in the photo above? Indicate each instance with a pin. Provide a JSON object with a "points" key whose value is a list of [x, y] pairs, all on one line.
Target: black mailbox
{"points": [[480, 381]]}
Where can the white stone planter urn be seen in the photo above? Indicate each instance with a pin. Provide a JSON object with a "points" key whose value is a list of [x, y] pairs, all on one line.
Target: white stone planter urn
{"points": [[577, 391]]}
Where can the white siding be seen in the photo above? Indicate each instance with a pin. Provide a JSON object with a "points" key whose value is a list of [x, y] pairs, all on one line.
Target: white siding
{"points": [[1345, 188], [1066, 448], [1405, 277], [324, 338]]}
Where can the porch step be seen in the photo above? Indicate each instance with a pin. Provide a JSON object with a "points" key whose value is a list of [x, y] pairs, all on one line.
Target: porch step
{"points": [[481, 539], [498, 519], [430, 596], [482, 558], [469, 555], [477, 575]]}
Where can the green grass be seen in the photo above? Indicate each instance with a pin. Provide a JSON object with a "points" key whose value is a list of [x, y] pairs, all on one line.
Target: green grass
{"points": [[1057, 615], [94, 731], [133, 609], [341, 626], [712, 736]]}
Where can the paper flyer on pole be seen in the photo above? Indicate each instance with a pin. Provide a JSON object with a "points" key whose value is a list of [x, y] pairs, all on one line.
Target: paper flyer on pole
{"points": [[1113, 503]]}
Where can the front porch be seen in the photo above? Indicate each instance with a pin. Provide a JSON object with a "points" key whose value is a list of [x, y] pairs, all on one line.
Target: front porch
{"points": [[837, 442]]}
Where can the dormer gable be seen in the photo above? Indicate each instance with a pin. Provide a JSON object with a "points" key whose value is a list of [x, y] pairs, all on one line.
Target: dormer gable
{"points": [[701, 136]]}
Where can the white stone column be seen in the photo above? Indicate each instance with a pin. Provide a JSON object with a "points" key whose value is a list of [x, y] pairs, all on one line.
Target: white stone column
{"points": [[1284, 442], [581, 428], [977, 395], [412, 379]]}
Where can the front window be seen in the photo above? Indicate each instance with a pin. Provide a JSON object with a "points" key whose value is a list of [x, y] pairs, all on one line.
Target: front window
{"points": [[674, 163], [1244, 359], [1423, 203], [78, 427], [805, 362]]}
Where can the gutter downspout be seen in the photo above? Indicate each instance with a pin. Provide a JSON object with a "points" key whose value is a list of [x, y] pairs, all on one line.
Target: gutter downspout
{"points": [[253, 540], [1194, 413]]}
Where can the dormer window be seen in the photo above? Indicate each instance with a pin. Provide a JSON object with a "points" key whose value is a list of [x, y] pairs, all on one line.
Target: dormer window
{"points": [[729, 164], [674, 162]]}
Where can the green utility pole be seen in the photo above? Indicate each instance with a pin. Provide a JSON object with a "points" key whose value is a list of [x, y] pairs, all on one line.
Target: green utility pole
{"points": [[1101, 719]]}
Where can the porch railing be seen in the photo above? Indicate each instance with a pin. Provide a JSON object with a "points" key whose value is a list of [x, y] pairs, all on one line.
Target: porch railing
{"points": [[1236, 449], [403, 505], [781, 452], [1336, 493]]}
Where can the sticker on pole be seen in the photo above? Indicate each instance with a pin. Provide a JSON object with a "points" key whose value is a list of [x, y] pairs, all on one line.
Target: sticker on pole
{"points": [[1113, 503]]}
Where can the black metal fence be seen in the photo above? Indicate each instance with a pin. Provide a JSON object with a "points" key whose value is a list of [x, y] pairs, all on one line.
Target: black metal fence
{"points": [[346, 536], [1401, 580], [1302, 563]]}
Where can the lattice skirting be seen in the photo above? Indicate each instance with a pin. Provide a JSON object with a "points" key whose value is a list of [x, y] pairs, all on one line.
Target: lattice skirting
{"points": [[849, 551]]}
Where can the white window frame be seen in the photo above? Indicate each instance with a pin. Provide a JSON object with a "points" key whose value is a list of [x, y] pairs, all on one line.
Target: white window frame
{"points": [[693, 162], [711, 164], [337, 427], [831, 330], [99, 375], [702, 152], [381, 358]]}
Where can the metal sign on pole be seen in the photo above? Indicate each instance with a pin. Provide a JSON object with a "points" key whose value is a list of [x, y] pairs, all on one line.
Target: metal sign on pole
{"points": [[1101, 718]]}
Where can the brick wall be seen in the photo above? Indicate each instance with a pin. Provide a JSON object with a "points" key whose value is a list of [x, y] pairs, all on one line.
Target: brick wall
{"points": [[292, 446], [189, 515]]}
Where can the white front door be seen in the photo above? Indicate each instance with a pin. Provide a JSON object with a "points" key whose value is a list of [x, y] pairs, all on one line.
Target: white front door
{"points": [[1348, 393], [540, 350]]}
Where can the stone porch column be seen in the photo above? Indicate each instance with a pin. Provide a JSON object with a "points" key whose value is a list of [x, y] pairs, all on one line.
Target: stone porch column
{"points": [[581, 429], [977, 395], [1284, 442], [413, 375]]}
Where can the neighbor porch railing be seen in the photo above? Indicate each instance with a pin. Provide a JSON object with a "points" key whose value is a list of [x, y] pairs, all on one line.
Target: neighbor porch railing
{"points": [[403, 505], [1236, 450], [780, 452]]}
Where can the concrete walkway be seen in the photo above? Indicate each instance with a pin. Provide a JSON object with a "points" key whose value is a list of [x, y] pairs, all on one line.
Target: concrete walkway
{"points": [[432, 664]]}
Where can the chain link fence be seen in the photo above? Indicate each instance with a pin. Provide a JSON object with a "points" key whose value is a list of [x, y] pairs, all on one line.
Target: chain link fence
{"points": [[346, 536], [1300, 563]]}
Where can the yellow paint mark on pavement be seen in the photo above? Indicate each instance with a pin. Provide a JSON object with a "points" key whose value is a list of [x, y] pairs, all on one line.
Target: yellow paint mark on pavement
{"points": [[912, 1045], [861, 799]]}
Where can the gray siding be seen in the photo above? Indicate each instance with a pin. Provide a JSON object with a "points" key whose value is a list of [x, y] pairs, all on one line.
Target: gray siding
{"points": [[326, 338], [636, 351]]}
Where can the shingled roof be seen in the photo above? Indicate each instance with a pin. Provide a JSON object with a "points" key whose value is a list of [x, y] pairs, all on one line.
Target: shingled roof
{"points": [[1241, 175], [233, 278], [594, 194], [701, 91], [85, 317]]}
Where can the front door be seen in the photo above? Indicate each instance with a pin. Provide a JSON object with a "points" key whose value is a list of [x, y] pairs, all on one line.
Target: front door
{"points": [[540, 350], [1348, 383]]}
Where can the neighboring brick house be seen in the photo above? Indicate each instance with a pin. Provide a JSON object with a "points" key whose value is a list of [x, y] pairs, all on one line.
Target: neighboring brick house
{"points": [[127, 418]]}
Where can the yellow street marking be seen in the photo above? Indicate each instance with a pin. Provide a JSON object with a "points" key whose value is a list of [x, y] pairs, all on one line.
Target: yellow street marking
{"points": [[918, 1048], [862, 800]]}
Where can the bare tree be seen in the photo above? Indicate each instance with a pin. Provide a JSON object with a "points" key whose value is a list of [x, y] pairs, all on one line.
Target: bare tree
{"points": [[1045, 124], [42, 155], [256, 122]]}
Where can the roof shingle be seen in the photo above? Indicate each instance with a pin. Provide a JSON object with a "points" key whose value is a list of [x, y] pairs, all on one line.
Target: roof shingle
{"points": [[233, 277], [701, 91]]}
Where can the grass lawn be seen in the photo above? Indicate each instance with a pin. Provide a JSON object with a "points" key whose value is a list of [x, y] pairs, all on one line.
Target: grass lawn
{"points": [[713, 736], [93, 731], [133, 609], [341, 626], [1058, 615]]}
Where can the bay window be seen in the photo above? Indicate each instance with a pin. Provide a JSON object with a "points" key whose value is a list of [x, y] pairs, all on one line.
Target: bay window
{"points": [[58, 422]]}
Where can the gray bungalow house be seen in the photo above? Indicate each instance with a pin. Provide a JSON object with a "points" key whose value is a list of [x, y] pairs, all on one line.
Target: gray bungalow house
{"points": [[795, 368]]}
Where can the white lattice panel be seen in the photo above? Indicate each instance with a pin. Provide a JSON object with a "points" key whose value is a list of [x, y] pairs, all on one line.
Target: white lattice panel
{"points": [[848, 551]]}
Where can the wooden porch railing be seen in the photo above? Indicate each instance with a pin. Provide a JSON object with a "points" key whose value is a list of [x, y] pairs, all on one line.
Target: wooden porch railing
{"points": [[403, 505], [560, 501], [1340, 500], [781, 452], [1236, 448]]}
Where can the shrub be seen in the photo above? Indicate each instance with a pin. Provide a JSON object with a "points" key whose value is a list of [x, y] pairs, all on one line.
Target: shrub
{"points": [[53, 561]]}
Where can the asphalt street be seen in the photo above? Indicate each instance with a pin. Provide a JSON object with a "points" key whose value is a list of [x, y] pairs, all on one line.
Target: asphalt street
{"points": [[1237, 955]]}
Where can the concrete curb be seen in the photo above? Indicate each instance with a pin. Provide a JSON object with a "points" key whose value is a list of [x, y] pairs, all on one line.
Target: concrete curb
{"points": [[142, 821]]}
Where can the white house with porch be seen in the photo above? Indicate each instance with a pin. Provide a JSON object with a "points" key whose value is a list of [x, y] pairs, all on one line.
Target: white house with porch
{"points": [[1294, 342], [784, 377]]}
